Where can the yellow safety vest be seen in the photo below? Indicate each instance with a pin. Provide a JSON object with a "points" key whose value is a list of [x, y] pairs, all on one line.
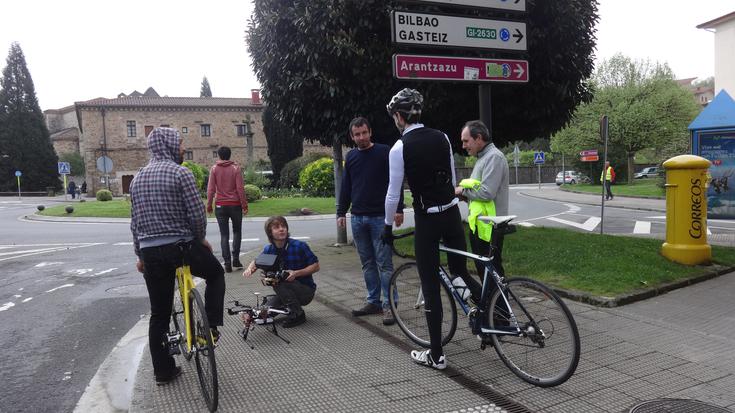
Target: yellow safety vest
{"points": [[483, 230], [607, 177]]}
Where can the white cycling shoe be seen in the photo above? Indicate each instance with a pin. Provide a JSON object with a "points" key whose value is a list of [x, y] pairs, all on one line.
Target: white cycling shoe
{"points": [[424, 358]]}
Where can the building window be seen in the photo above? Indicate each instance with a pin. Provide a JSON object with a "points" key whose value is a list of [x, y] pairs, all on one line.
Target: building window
{"points": [[148, 130], [215, 155], [242, 130], [131, 129], [206, 129], [188, 155], [184, 130]]}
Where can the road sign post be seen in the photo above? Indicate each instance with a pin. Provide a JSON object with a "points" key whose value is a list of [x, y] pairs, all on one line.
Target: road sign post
{"points": [[539, 158], [516, 160], [17, 176], [604, 127]]}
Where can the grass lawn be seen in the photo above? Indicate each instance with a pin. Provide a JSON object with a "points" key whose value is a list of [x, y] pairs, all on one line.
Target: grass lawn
{"points": [[261, 208], [602, 265], [639, 187]]}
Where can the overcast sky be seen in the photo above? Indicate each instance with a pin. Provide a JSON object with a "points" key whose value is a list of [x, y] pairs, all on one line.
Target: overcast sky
{"points": [[82, 49]]}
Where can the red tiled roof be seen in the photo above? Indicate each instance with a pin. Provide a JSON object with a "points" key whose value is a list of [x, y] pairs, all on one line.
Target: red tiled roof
{"points": [[143, 101]]}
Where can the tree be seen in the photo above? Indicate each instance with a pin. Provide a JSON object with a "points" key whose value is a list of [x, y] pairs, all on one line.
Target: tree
{"points": [[206, 91], [321, 62], [25, 143], [646, 109], [76, 162], [284, 144]]}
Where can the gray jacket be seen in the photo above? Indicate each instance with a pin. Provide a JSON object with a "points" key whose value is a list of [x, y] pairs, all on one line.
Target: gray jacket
{"points": [[492, 170]]}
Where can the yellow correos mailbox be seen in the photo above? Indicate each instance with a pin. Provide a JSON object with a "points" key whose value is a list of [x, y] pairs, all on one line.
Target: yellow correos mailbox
{"points": [[686, 210]]}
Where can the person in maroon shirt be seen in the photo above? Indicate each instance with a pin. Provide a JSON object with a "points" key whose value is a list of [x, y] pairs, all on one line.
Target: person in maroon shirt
{"points": [[225, 180]]}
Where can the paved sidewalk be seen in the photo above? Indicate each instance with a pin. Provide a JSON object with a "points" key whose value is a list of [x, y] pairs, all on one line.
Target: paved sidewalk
{"points": [[556, 194], [678, 345]]}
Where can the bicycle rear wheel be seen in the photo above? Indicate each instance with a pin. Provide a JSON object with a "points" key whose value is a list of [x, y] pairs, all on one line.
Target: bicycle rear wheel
{"points": [[407, 304], [204, 350], [177, 321], [547, 351]]}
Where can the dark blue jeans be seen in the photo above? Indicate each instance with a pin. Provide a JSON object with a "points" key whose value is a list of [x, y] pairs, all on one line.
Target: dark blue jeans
{"points": [[224, 214], [160, 272]]}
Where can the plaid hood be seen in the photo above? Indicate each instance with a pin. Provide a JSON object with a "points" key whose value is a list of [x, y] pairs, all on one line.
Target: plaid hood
{"points": [[164, 144]]}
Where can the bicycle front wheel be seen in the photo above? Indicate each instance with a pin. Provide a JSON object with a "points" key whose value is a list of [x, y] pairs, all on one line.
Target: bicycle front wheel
{"points": [[547, 351], [177, 321], [204, 351], [408, 306]]}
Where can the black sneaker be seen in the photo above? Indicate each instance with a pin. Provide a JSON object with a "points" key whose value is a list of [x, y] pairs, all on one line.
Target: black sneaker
{"points": [[367, 309], [236, 263], [388, 319], [160, 380], [294, 321], [228, 267]]}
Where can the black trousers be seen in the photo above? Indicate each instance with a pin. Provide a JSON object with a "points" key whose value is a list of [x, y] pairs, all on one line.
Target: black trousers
{"points": [[430, 229], [294, 294], [608, 194], [160, 272], [224, 214]]}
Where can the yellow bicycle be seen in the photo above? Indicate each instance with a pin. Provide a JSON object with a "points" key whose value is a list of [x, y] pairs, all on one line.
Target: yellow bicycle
{"points": [[190, 333]]}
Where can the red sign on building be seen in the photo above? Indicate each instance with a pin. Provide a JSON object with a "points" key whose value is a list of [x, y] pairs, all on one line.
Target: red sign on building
{"points": [[590, 158], [413, 67]]}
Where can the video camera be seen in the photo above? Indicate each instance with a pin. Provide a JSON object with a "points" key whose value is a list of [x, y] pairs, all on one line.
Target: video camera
{"points": [[270, 264]]}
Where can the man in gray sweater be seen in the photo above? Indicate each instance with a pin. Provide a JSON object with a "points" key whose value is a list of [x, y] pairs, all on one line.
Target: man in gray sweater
{"points": [[491, 170]]}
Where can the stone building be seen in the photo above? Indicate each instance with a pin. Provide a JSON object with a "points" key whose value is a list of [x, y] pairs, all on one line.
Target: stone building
{"points": [[117, 129], [64, 129]]}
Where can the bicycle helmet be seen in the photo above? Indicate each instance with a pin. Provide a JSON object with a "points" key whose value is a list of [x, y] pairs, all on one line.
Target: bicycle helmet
{"points": [[407, 101]]}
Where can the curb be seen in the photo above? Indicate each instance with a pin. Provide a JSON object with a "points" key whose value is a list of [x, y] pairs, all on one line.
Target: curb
{"points": [[625, 299]]}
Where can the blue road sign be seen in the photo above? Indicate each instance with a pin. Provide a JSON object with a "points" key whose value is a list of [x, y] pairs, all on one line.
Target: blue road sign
{"points": [[539, 158], [18, 173], [64, 168]]}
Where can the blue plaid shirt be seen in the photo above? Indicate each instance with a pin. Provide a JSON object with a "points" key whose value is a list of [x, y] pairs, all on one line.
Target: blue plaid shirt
{"points": [[295, 256]]}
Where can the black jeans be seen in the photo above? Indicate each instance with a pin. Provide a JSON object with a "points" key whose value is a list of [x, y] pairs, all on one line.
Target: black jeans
{"points": [[160, 272], [224, 213], [609, 194], [292, 294], [430, 229]]}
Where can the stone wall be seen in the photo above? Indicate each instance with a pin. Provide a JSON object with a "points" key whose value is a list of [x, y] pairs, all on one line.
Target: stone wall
{"points": [[129, 154]]}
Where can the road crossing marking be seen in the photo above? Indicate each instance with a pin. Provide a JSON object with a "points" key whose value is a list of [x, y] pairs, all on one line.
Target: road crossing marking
{"points": [[6, 306], [588, 225], [642, 227], [59, 287], [37, 251], [105, 271], [573, 208]]}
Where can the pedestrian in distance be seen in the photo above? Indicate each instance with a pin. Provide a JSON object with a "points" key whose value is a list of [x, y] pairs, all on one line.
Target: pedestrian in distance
{"points": [[364, 185], [295, 257], [486, 190], [72, 189], [606, 177], [84, 187], [226, 185], [166, 209], [424, 157]]}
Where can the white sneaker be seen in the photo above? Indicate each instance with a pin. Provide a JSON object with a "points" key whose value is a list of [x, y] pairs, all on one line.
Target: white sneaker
{"points": [[424, 357]]}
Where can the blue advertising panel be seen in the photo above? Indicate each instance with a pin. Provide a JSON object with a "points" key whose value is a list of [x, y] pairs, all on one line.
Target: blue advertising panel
{"points": [[719, 148]]}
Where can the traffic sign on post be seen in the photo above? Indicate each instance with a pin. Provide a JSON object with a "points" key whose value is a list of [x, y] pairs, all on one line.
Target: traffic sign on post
{"points": [[18, 173], [459, 69], [589, 152], [452, 31], [539, 158], [515, 5], [590, 158], [64, 168]]}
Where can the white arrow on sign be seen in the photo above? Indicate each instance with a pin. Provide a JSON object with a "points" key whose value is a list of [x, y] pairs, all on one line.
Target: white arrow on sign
{"points": [[519, 71]]}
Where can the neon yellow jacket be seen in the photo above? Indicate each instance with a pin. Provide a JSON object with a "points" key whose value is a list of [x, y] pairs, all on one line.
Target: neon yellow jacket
{"points": [[484, 230], [606, 176]]}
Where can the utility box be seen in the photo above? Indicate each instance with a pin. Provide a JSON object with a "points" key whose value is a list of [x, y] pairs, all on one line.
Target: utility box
{"points": [[686, 210]]}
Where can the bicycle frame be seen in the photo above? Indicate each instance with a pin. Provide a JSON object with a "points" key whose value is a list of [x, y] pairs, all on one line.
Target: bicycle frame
{"points": [[478, 313], [185, 284]]}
